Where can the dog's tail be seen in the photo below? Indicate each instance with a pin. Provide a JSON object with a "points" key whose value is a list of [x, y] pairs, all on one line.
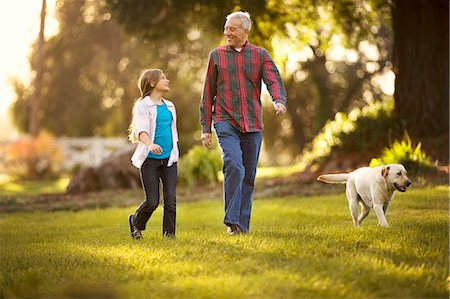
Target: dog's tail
{"points": [[338, 178]]}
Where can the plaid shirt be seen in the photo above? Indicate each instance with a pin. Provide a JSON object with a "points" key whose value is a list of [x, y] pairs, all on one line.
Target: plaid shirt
{"points": [[233, 87]]}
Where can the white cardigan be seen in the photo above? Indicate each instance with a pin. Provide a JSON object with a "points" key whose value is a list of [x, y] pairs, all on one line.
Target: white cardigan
{"points": [[145, 121]]}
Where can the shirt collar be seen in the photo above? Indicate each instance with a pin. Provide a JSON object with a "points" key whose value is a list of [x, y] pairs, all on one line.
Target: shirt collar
{"points": [[150, 103], [244, 47]]}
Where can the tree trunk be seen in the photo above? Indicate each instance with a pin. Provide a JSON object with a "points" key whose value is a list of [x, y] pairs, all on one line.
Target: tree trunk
{"points": [[35, 113], [293, 104], [421, 49], [320, 76]]}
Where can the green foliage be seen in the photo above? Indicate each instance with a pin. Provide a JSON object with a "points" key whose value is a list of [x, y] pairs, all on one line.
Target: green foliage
{"points": [[91, 68], [92, 65], [360, 130], [291, 239], [414, 159], [91, 76], [200, 165], [145, 18], [298, 35], [357, 19], [374, 124], [21, 108], [34, 158]]}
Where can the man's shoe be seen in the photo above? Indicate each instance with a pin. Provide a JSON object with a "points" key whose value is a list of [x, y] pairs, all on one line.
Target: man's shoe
{"points": [[233, 229], [134, 232]]}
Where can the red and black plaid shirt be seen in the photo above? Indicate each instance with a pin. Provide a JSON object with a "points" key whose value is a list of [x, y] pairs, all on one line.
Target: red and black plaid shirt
{"points": [[232, 88]]}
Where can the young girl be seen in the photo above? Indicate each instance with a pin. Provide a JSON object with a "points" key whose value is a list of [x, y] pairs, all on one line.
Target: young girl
{"points": [[154, 129]]}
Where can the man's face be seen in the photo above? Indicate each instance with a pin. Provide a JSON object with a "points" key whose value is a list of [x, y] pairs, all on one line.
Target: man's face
{"points": [[234, 34]]}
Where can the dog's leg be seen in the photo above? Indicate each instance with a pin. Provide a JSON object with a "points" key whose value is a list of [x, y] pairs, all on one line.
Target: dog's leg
{"points": [[385, 207], [380, 214], [364, 212], [352, 197]]}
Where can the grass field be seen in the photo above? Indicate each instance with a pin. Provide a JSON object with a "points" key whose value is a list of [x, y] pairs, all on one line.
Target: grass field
{"points": [[33, 187], [299, 247]]}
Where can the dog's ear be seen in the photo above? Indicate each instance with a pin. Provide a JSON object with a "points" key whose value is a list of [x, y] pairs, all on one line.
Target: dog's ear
{"points": [[385, 171]]}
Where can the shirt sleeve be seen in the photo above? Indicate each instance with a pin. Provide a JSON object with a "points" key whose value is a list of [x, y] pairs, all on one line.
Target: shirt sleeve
{"points": [[141, 120], [208, 96], [175, 130], [272, 79]]}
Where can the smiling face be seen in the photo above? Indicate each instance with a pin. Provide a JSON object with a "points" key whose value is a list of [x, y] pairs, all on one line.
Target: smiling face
{"points": [[162, 84], [235, 34], [396, 175]]}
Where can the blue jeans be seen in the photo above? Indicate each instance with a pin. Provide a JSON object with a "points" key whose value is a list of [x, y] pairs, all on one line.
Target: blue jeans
{"points": [[240, 153], [152, 171]]}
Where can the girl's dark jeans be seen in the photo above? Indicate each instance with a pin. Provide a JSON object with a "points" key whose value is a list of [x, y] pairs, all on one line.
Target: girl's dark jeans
{"points": [[152, 171]]}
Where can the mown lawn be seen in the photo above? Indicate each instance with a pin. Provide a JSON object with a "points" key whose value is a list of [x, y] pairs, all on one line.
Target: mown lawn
{"points": [[299, 247]]}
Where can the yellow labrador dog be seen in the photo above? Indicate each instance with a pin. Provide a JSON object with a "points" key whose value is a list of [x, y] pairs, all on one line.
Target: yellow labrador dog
{"points": [[372, 188]]}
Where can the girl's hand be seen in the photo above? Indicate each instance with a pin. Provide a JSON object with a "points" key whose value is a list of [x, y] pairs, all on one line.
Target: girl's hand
{"points": [[154, 148]]}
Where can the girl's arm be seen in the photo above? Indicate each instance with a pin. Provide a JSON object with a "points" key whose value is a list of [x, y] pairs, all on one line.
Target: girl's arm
{"points": [[154, 148]]}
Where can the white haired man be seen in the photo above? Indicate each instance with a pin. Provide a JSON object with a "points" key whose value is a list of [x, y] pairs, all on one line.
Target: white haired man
{"points": [[231, 102]]}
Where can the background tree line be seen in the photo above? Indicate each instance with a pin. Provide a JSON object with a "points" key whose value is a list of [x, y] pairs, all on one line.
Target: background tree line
{"points": [[332, 55]]}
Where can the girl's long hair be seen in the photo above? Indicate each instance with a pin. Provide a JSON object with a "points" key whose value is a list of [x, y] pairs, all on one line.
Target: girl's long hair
{"points": [[147, 81]]}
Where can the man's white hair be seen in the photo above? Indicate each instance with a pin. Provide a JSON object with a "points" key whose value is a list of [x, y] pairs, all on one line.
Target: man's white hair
{"points": [[244, 17]]}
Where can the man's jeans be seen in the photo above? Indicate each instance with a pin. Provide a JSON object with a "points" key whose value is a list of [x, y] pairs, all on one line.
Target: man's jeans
{"points": [[151, 172], [240, 153]]}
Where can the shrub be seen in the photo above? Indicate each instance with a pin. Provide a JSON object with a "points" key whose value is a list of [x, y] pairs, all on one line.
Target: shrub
{"points": [[414, 159], [200, 165], [359, 130], [34, 158]]}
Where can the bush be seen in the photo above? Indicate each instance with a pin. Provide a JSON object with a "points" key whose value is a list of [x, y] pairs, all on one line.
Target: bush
{"points": [[360, 130], [200, 165], [34, 158], [414, 159]]}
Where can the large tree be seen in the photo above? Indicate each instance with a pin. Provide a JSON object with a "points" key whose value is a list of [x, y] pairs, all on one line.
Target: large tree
{"points": [[421, 52], [36, 102]]}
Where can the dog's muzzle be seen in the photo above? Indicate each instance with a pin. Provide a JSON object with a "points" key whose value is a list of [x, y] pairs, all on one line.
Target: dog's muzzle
{"points": [[402, 188]]}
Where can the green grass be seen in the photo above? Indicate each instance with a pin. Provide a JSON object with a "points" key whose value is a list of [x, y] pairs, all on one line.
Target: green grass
{"points": [[299, 247], [33, 187]]}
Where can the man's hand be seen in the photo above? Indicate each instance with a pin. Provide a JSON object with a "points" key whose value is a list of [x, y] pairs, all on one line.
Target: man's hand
{"points": [[280, 109], [207, 139]]}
